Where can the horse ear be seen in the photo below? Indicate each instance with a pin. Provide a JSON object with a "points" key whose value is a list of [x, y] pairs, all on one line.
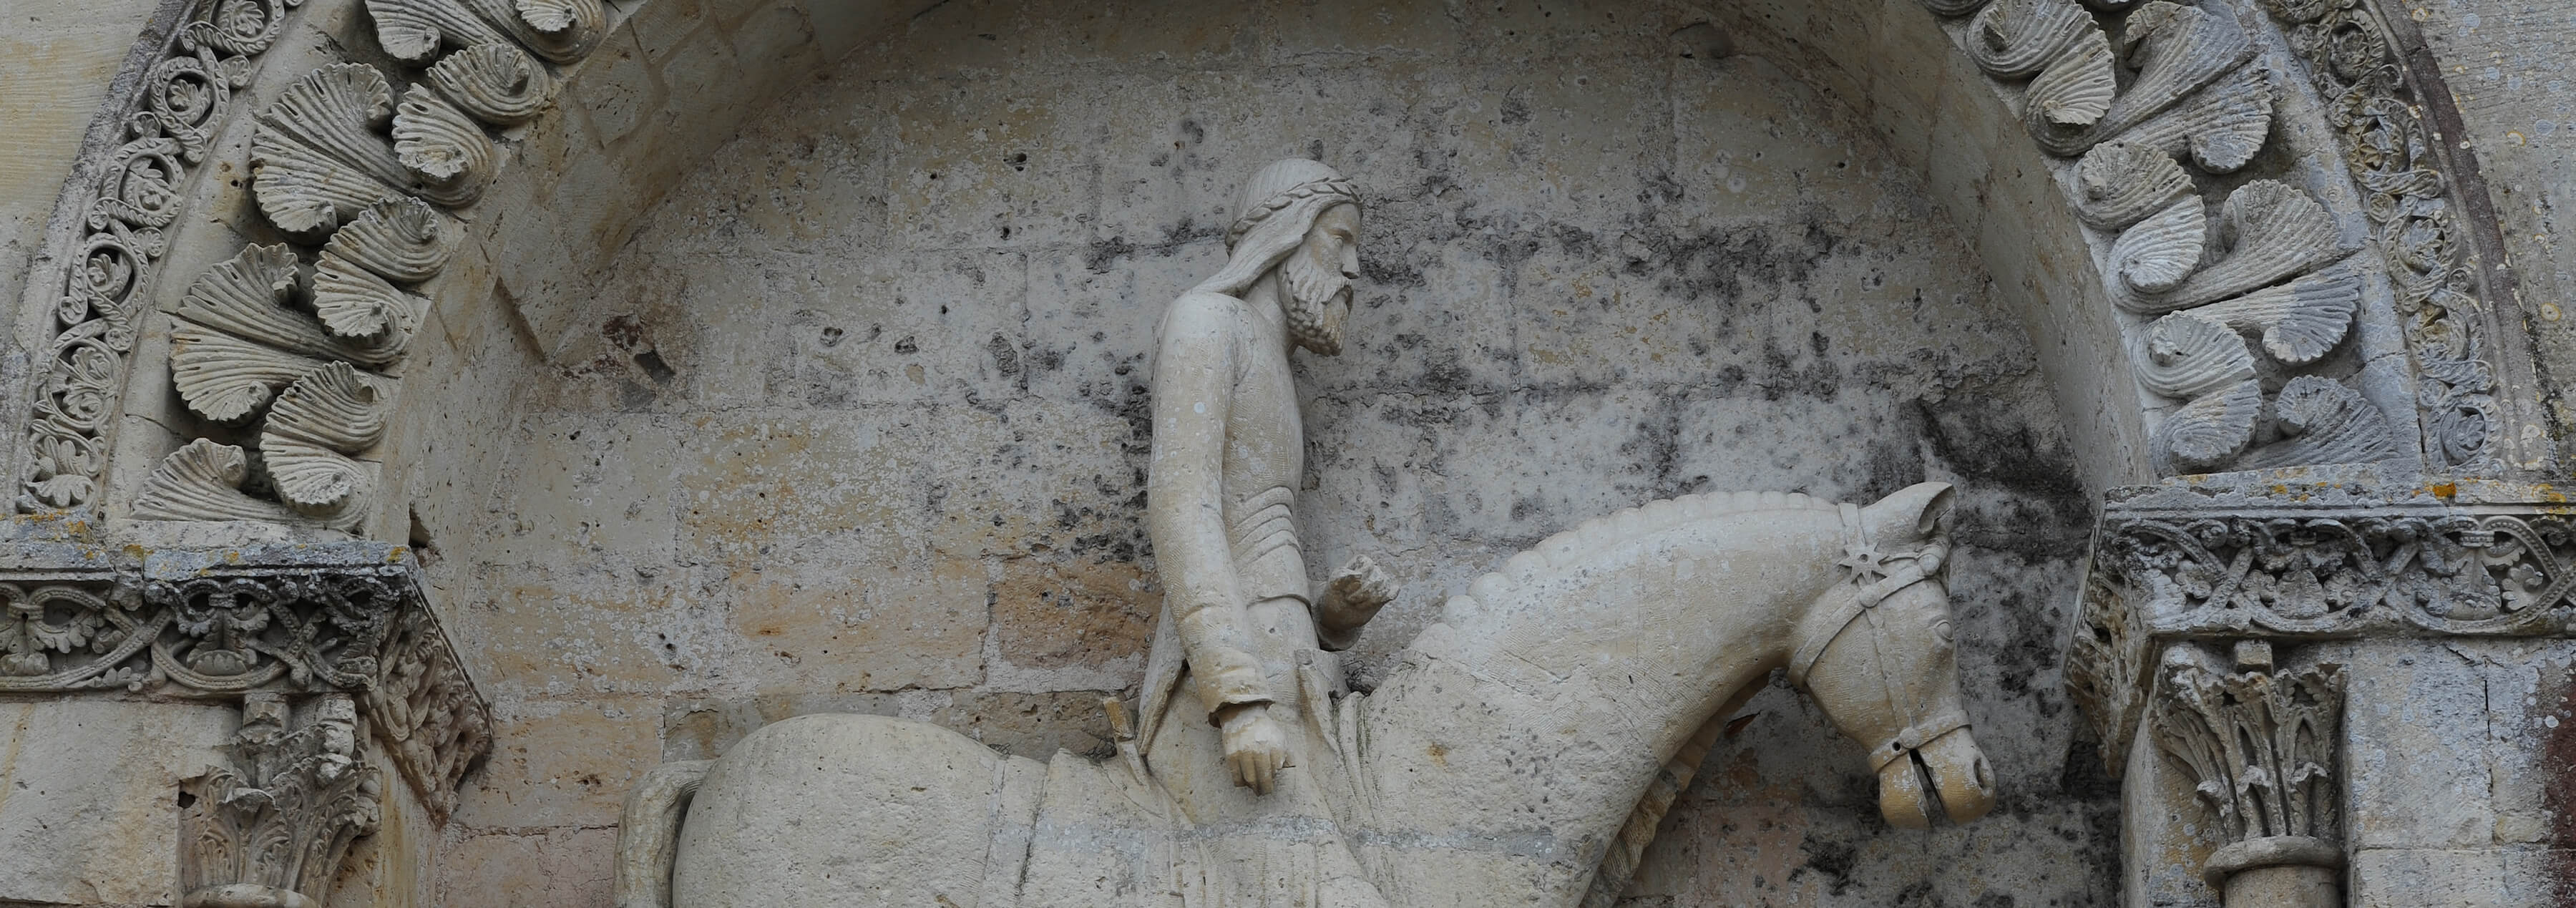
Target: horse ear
{"points": [[1913, 513]]}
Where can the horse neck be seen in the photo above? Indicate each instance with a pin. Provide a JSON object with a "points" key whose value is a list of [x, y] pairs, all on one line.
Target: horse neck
{"points": [[1669, 610], [1596, 654]]}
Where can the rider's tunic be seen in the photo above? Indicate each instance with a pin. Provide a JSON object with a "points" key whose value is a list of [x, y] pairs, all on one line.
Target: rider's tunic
{"points": [[1283, 848]]}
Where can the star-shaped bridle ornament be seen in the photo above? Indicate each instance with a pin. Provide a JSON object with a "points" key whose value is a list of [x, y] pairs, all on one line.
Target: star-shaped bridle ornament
{"points": [[1866, 564]]}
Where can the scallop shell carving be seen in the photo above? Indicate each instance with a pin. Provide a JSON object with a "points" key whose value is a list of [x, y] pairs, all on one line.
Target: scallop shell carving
{"points": [[246, 296], [226, 379], [2178, 49], [2188, 356], [202, 481], [2119, 184], [443, 145], [2158, 254], [356, 304], [2302, 320], [559, 30], [2207, 432], [2075, 89], [2269, 231], [398, 239], [2327, 423], [316, 151], [2015, 39], [566, 30], [2222, 128], [497, 83], [335, 408]]}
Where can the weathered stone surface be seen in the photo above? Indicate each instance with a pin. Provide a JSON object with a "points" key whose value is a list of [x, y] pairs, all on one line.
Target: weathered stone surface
{"points": [[89, 794]]}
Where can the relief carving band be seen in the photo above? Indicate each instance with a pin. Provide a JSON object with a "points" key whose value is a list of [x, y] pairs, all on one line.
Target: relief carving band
{"points": [[1521, 752]]}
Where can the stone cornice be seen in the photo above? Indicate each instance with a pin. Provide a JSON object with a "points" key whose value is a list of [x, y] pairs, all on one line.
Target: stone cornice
{"points": [[2293, 559], [346, 618]]}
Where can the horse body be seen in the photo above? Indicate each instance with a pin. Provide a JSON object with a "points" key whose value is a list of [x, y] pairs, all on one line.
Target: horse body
{"points": [[1495, 766]]}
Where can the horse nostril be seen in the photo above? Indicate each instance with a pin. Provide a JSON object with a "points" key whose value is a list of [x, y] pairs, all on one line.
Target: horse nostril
{"points": [[1985, 774]]}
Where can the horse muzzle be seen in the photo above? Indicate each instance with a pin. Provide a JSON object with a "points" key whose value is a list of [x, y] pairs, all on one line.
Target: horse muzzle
{"points": [[1949, 767]]}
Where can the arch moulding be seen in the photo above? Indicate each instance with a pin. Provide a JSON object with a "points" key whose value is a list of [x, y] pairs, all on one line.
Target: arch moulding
{"points": [[2265, 282]]}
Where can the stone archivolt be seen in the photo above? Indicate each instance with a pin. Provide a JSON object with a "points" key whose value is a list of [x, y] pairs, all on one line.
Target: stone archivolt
{"points": [[2264, 290], [350, 161], [168, 123]]}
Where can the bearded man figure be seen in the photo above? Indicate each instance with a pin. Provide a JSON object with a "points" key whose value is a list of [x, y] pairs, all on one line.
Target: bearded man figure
{"points": [[1238, 688]]}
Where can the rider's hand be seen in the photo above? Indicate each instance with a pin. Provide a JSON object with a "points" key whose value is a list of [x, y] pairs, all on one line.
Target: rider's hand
{"points": [[1256, 746]]}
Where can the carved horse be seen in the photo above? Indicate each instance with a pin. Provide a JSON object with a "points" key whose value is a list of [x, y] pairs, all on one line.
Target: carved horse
{"points": [[1512, 750]]}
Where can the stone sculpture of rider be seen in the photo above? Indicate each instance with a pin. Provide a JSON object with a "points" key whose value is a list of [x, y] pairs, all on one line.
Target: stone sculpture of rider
{"points": [[1238, 685]]}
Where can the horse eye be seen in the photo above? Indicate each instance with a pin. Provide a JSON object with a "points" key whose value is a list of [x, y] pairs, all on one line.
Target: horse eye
{"points": [[1943, 630]]}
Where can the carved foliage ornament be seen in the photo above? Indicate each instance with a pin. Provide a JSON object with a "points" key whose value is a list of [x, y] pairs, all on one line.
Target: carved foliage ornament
{"points": [[167, 127], [271, 826], [337, 630], [2260, 745], [2398, 167]]}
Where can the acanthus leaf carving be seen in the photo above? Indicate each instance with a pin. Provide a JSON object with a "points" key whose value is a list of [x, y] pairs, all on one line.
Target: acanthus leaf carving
{"points": [[495, 82], [2015, 39], [355, 304], [2078, 87], [271, 825], [439, 142], [2188, 356], [202, 481], [333, 410], [316, 154], [426, 710], [2158, 253], [226, 379], [2267, 232], [2119, 184], [2259, 745]]}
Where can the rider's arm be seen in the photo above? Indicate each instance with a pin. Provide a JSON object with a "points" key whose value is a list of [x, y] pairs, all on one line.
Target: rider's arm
{"points": [[1184, 505]]}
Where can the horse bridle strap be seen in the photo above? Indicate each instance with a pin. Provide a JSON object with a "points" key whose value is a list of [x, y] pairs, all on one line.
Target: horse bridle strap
{"points": [[1877, 579], [1863, 561]]}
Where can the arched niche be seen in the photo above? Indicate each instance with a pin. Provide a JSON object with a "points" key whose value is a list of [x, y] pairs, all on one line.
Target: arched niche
{"points": [[633, 106], [667, 82]]}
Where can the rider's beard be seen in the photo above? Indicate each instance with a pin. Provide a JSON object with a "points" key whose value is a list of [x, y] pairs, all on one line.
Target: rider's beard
{"points": [[1317, 302]]}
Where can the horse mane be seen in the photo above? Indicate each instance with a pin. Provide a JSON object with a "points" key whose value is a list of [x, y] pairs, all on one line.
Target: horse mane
{"points": [[1593, 536]]}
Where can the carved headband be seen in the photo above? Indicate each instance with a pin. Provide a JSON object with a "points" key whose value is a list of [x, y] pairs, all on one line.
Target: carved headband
{"points": [[1290, 196]]}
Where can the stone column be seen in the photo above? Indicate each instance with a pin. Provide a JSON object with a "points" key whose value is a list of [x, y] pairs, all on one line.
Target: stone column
{"points": [[328, 654]]}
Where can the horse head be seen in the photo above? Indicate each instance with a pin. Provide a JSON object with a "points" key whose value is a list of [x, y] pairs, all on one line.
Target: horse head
{"points": [[1876, 651]]}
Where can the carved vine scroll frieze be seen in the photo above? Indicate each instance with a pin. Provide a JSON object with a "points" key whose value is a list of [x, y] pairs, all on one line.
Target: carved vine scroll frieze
{"points": [[221, 625], [2409, 197], [167, 126], [2182, 564], [271, 825]]}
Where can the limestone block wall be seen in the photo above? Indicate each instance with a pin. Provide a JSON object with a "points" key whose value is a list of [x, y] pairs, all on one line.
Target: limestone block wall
{"points": [[854, 423]]}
